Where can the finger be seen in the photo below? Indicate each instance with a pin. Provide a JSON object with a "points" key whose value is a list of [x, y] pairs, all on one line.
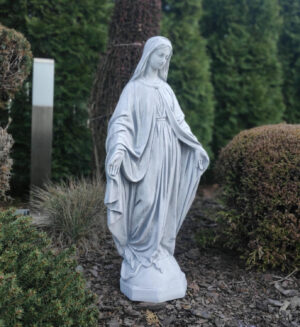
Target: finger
{"points": [[115, 169], [112, 170], [109, 169]]}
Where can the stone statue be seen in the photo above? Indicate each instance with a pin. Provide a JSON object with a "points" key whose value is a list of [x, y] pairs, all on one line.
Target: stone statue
{"points": [[153, 168]]}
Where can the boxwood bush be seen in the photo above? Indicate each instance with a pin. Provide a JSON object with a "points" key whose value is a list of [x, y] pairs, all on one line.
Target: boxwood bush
{"points": [[6, 143], [15, 63], [260, 173], [39, 287]]}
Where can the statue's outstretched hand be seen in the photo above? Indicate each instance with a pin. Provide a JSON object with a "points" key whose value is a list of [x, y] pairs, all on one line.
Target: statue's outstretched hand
{"points": [[115, 163], [199, 161], [200, 164]]}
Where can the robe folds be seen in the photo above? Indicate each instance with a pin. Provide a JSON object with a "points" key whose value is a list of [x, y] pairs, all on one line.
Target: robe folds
{"points": [[149, 198]]}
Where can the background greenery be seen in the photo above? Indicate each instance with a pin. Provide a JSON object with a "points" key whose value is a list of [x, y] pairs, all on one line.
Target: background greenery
{"points": [[246, 72], [235, 66], [73, 35], [289, 54], [189, 73]]}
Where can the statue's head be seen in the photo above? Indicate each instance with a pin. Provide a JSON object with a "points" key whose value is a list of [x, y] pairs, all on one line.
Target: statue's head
{"points": [[157, 52]]}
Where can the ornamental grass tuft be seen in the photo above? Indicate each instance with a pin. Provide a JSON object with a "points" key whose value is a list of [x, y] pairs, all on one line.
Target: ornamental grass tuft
{"points": [[260, 173], [72, 212]]}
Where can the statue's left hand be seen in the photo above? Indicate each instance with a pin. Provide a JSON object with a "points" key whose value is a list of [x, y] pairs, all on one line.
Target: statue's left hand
{"points": [[199, 160], [200, 164]]}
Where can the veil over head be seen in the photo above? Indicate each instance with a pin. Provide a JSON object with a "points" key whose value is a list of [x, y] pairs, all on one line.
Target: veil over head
{"points": [[151, 45]]}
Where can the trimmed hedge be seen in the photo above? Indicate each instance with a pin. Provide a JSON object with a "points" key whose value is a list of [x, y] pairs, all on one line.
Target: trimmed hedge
{"points": [[15, 63], [260, 172], [37, 286]]}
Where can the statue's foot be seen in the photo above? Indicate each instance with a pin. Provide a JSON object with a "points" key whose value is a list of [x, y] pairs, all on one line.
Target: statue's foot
{"points": [[154, 285]]}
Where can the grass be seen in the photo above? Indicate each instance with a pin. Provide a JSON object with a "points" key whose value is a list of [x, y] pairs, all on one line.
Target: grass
{"points": [[72, 212]]}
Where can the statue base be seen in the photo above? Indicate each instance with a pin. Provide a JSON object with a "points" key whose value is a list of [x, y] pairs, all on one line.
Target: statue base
{"points": [[153, 285]]}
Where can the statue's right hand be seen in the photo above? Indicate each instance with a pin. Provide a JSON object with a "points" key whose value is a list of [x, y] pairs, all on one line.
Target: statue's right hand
{"points": [[115, 163]]}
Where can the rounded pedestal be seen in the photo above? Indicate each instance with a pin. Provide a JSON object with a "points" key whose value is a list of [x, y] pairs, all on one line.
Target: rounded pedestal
{"points": [[153, 285]]}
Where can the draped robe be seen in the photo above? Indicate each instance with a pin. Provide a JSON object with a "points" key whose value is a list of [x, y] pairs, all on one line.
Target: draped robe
{"points": [[149, 198]]}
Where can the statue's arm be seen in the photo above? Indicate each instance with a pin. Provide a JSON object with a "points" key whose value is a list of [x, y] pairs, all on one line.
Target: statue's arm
{"points": [[119, 128], [180, 117]]}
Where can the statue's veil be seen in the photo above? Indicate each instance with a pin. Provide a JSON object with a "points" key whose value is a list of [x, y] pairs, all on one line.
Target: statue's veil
{"points": [[152, 44]]}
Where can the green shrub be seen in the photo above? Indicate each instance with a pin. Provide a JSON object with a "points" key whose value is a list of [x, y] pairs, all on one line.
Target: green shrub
{"points": [[15, 63], [260, 172], [37, 286], [72, 211], [6, 143]]}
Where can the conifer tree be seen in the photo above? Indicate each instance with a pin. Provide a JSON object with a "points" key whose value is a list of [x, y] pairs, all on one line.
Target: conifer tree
{"points": [[133, 22], [289, 52], [189, 73], [246, 73], [73, 34]]}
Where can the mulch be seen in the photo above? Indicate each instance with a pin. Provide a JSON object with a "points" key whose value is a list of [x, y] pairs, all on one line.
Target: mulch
{"points": [[221, 292]]}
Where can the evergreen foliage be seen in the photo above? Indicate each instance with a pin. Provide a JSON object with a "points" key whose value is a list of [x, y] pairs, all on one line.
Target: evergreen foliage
{"points": [[242, 40], [37, 286], [260, 172], [289, 51], [73, 35], [189, 73]]}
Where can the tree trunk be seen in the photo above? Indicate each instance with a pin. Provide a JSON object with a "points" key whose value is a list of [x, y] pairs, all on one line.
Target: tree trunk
{"points": [[133, 22]]}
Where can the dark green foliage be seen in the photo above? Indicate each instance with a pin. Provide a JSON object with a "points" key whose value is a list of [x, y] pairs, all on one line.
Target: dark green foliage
{"points": [[242, 43], [73, 35], [260, 172], [37, 286], [289, 52], [15, 63], [189, 73], [21, 130]]}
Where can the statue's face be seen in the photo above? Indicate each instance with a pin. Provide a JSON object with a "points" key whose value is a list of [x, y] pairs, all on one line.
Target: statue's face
{"points": [[159, 57]]}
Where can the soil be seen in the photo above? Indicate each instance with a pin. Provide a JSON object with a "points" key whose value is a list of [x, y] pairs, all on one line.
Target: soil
{"points": [[221, 292]]}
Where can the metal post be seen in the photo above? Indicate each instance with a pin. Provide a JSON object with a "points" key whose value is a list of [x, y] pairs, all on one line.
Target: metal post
{"points": [[42, 120]]}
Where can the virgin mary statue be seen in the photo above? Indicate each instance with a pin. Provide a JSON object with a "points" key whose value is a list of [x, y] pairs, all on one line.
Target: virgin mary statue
{"points": [[153, 168]]}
